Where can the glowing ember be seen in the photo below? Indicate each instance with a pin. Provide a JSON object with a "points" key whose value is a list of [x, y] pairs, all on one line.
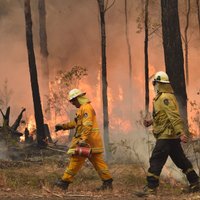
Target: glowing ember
{"points": [[31, 124]]}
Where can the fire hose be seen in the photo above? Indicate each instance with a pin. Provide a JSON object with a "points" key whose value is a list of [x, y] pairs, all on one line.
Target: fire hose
{"points": [[54, 149]]}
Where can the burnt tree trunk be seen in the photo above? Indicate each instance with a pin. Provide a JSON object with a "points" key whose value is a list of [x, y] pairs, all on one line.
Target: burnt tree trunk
{"points": [[6, 117], [187, 41], [146, 65], [146, 59], [173, 52], [44, 53], [129, 56], [18, 120], [33, 76], [104, 78], [42, 31], [9, 133]]}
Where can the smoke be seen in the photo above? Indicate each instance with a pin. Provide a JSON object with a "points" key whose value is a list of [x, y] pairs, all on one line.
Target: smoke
{"points": [[3, 150], [73, 33], [73, 39]]}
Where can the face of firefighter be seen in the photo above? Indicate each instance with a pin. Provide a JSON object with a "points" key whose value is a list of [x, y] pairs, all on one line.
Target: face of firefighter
{"points": [[75, 103], [155, 85]]}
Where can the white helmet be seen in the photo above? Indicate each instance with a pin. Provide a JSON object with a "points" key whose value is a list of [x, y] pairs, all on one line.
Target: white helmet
{"points": [[75, 93], [161, 77]]}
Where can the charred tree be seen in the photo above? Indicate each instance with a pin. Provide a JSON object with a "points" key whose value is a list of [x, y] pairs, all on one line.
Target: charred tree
{"points": [[146, 57], [47, 133], [146, 65], [28, 137], [129, 54], [173, 52], [33, 76], [18, 120], [104, 78], [6, 117], [186, 40], [9, 133], [42, 31], [44, 52]]}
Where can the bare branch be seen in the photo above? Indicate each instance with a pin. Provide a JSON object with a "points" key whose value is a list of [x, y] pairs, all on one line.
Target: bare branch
{"points": [[106, 4], [2, 113], [154, 30], [108, 7]]}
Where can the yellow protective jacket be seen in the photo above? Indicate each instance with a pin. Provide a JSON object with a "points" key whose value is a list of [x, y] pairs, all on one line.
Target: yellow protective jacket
{"points": [[87, 129], [167, 123]]}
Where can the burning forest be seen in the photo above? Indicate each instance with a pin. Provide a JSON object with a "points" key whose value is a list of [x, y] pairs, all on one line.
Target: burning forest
{"points": [[90, 90]]}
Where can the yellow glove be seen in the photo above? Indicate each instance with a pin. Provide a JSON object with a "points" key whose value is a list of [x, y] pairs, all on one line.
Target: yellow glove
{"points": [[71, 151]]}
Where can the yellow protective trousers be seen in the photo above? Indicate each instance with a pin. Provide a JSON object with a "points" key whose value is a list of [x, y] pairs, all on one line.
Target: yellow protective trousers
{"points": [[76, 162]]}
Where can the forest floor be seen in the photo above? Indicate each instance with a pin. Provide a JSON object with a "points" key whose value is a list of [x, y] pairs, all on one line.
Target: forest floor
{"points": [[34, 179]]}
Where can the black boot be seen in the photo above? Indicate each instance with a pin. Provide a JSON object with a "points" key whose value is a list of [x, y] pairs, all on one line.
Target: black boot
{"points": [[145, 192], [193, 187], [107, 185], [62, 184]]}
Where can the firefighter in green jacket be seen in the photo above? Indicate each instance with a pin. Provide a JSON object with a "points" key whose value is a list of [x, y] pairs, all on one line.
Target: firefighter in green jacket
{"points": [[169, 132]]}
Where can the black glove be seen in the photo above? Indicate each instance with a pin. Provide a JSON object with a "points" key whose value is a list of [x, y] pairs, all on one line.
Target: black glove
{"points": [[82, 143], [58, 127]]}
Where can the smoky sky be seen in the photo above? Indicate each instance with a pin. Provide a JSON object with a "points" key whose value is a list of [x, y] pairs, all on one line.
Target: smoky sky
{"points": [[73, 34]]}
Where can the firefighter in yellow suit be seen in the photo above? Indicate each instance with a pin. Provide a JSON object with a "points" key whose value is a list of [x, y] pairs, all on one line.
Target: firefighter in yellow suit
{"points": [[87, 134], [169, 131]]}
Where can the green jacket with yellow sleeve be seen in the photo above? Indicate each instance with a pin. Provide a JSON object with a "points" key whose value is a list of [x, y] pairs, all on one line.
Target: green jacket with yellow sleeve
{"points": [[167, 123]]}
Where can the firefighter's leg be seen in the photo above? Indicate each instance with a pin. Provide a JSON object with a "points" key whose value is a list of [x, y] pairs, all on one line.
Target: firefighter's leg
{"points": [[179, 158], [75, 164], [102, 169], [157, 161]]}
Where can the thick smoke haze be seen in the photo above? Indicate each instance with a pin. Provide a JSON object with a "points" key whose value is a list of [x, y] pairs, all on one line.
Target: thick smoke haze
{"points": [[73, 33]]}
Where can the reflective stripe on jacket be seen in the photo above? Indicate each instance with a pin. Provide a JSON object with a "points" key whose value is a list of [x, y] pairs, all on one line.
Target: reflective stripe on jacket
{"points": [[86, 129]]}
